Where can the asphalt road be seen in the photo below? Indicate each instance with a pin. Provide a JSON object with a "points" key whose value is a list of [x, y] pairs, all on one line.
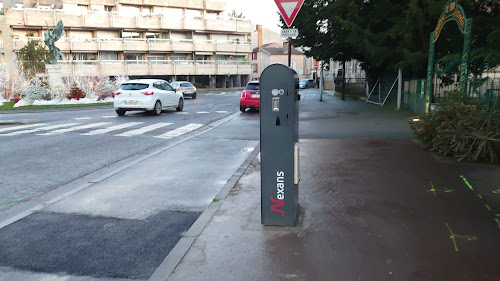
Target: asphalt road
{"points": [[110, 201], [36, 158]]}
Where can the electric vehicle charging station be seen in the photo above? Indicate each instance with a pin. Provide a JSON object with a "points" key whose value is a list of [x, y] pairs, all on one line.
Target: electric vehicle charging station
{"points": [[279, 150]]}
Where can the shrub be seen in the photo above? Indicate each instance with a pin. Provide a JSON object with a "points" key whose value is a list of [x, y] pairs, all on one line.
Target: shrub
{"points": [[35, 90], [76, 93], [462, 127], [105, 88]]}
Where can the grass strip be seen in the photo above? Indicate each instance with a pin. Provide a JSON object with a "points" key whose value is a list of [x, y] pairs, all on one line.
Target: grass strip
{"points": [[10, 106]]}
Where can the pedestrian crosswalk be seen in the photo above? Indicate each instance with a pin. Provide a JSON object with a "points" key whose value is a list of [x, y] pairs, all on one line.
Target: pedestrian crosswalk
{"points": [[144, 130], [129, 129]]}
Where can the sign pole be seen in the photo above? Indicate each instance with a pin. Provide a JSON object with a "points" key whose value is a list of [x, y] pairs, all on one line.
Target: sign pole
{"points": [[289, 52]]}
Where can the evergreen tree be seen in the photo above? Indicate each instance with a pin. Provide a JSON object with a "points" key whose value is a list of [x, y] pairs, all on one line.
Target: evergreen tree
{"points": [[386, 35], [33, 57]]}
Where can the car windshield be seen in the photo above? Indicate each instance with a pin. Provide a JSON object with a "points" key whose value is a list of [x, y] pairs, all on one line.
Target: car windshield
{"points": [[134, 86], [252, 87]]}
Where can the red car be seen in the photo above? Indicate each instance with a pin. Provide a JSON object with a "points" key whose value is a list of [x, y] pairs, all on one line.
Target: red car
{"points": [[250, 97]]}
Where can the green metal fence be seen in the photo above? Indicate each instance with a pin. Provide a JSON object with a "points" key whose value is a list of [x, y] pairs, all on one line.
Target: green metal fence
{"points": [[487, 90]]}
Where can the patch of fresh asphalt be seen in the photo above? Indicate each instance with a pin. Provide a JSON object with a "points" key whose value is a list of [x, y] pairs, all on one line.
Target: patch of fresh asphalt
{"points": [[90, 246]]}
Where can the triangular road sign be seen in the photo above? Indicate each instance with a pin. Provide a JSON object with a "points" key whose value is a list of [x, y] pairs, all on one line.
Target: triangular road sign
{"points": [[289, 9]]}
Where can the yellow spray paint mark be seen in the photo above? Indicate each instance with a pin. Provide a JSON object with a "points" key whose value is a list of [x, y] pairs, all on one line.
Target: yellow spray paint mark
{"points": [[467, 182], [487, 207], [433, 190], [453, 236], [498, 222], [496, 191]]}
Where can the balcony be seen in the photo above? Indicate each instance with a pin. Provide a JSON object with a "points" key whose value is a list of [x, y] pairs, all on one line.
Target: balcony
{"points": [[215, 5], [142, 45], [145, 68], [117, 20]]}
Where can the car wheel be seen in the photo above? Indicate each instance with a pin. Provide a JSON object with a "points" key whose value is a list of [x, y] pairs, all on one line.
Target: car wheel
{"points": [[120, 112], [242, 108], [193, 96], [180, 106], [157, 110]]}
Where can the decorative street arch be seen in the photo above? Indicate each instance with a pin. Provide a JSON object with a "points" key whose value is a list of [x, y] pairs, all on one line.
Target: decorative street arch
{"points": [[455, 12]]}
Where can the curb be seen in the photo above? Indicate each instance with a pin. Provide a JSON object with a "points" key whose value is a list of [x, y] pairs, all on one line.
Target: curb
{"points": [[168, 266]]}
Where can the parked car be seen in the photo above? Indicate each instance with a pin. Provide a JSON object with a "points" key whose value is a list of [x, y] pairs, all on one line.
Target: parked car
{"points": [[151, 95], [250, 97], [306, 83], [185, 87]]}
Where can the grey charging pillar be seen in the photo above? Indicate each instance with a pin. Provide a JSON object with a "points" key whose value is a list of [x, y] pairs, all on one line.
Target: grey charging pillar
{"points": [[279, 127]]}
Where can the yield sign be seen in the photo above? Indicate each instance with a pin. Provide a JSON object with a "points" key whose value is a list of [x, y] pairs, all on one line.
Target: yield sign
{"points": [[289, 9]]}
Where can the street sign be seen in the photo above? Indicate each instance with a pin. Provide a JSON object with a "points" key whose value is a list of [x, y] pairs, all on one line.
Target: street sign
{"points": [[290, 33], [316, 66], [289, 9]]}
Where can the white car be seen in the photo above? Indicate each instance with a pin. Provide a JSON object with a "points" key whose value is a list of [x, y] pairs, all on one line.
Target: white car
{"points": [[152, 95]]}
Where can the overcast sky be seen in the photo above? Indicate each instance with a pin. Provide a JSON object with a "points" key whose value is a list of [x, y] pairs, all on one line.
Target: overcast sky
{"points": [[263, 12]]}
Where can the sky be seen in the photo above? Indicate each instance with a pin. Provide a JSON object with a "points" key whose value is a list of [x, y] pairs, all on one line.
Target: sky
{"points": [[263, 12]]}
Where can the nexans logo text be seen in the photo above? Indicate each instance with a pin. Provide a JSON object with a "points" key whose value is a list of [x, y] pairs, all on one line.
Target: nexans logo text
{"points": [[280, 193]]}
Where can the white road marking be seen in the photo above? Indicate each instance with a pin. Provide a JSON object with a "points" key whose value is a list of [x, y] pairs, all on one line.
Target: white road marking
{"points": [[202, 112], [143, 130], [112, 128], [179, 131], [182, 112], [47, 128], [82, 118], [62, 131], [113, 116], [221, 111], [21, 127]]}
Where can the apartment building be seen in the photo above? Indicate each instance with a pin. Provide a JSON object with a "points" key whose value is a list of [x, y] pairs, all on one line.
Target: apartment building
{"points": [[170, 39], [269, 48]]}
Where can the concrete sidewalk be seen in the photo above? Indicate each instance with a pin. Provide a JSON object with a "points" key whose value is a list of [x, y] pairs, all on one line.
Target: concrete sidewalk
{"points": [[373, 206]]}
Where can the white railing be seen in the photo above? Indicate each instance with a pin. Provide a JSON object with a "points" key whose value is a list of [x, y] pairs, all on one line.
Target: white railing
{"points": [[104, 62], [119, 13], [152, 40]]}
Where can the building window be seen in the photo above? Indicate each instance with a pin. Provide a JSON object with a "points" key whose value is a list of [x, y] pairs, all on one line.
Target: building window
{"points": [[156, 59], [83, 56], [82, 8], [133, 56], [154, 35], [109, 8], [178, 57], [130, 34], [108, 55], [147, 9]]}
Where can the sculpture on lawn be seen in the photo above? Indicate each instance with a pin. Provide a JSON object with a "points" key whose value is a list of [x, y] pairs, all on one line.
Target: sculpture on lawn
{"points": [[51, 38]]}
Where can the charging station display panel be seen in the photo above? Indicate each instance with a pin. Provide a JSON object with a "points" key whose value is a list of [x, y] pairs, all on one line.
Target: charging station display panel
{"points": [[279, 145]]}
